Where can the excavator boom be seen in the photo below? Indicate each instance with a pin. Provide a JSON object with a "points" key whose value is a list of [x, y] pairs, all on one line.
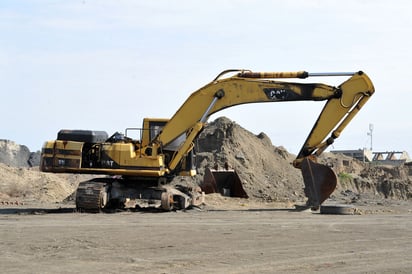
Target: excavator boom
{"points": [[343, 103]]}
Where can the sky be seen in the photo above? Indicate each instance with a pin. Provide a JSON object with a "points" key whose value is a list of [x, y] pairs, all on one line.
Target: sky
{"points": [[107, 64]]}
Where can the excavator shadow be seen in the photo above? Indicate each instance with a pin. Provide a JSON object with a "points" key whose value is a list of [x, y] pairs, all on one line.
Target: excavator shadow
{"points": [[71, 210], [261, 210], [35, 211]]}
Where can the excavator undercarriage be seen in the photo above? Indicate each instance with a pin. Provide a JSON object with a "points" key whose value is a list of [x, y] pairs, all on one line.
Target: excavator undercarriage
{"points": [[118, 193], [109, 193]]}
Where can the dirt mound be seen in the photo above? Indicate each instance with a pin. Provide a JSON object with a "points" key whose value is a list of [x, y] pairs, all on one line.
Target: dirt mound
{"points": [[265, 170], [363, 182], [379, 181], [29, 184]]}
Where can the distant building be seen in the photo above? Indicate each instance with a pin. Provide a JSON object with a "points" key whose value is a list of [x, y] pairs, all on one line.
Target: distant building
{"points": [[364, 155], [393, 158]]}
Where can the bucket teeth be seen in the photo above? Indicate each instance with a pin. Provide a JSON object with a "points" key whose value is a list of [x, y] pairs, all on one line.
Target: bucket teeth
{"points": [[320, 181]]}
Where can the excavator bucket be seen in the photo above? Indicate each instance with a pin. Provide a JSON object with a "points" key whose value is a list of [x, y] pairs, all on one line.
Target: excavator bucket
{"points": [[225, 182], [320, 181]]}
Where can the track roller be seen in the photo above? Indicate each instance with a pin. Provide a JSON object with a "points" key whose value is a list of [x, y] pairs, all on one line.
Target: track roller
{"points": [[92, 196]]}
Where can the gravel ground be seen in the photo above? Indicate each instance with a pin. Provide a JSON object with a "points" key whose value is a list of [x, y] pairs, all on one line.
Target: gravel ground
{"points": [[226, 236]]}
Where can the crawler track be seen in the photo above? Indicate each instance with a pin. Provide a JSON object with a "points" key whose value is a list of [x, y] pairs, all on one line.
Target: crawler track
{"points": [[91, 196]]}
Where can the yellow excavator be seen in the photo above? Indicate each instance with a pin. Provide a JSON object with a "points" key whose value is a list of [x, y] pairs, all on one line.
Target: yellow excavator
{"points": [[139, 170]]}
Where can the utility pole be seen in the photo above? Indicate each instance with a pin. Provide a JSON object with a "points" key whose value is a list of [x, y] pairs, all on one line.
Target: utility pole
{"points": [[370, 133]]}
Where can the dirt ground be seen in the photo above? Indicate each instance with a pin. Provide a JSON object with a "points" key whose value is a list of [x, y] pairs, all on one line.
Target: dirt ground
{"points": [[227, 235]]}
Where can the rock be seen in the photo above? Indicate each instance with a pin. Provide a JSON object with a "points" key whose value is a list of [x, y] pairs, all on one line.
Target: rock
{"points": [[34, 159], [16, 155]]}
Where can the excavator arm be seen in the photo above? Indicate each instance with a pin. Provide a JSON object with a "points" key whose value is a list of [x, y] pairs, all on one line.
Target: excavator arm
{"points": [[236, 90], [342, 104]]}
